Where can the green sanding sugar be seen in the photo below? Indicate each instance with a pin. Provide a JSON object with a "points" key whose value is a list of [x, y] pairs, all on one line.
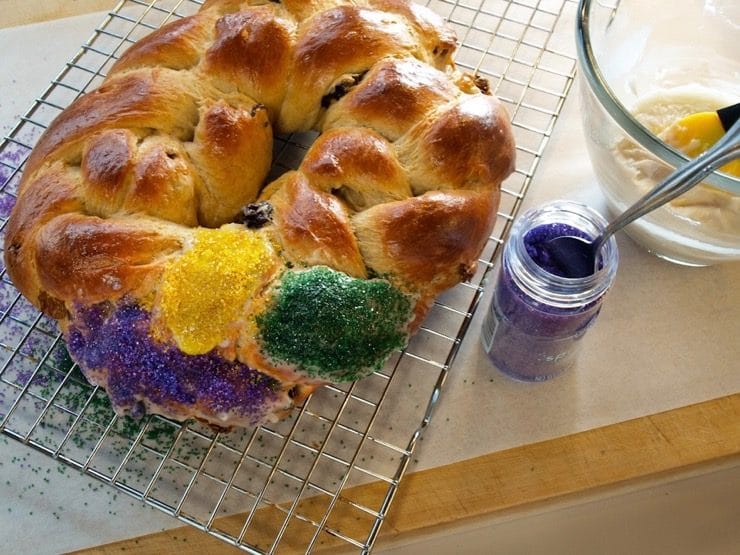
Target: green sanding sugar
{"points": [[334, 326]]}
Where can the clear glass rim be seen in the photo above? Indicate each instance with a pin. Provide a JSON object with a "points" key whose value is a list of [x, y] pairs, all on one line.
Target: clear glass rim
{"points": [[620, 114], [552, 289]]}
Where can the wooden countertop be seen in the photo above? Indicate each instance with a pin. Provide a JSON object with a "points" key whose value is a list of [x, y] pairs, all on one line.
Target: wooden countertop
{"points": [[592, 461], [577, 465]]}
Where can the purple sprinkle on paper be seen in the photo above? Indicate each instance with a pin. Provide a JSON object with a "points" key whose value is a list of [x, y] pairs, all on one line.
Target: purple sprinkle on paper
{"points": [[7, 295], [11, 158], [36, 345], [6, 204]]}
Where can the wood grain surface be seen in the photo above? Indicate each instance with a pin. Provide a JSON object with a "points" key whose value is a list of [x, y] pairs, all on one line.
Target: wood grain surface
{"points": [[588, 462]]}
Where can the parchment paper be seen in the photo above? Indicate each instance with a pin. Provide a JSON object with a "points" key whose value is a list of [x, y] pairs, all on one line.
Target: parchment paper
{"points": [[666, 337]]}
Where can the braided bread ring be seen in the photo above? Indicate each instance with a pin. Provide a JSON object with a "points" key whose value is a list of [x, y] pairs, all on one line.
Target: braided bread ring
{"points": [[186, 288]]}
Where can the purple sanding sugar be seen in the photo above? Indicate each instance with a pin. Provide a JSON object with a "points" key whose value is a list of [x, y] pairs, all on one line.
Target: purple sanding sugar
{"points": [[116, 341], [533, 340], [535, 239], [536, 318]]}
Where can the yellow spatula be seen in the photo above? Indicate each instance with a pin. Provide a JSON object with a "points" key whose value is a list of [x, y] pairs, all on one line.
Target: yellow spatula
{"points": [[694, 134]]}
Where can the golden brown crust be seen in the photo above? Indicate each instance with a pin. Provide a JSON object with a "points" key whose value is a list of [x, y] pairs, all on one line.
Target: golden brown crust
{"points": [[107, 161], [444, 153], [251, 353], [357, 165], [340, 41], [251, 51], [154, 99], [402, 183], [179, 132], [438, 39], [51, 195], [433, 239], [314, 228], [164, 183], [108, 258], [395, 95], [176, 45], [232, 153]]}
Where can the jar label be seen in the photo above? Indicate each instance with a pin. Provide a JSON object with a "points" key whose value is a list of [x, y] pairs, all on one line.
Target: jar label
{"points": [[488, 330]]}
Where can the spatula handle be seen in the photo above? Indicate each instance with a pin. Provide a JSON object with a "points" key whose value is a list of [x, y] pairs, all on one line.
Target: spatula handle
{"points": [[729, 115]]}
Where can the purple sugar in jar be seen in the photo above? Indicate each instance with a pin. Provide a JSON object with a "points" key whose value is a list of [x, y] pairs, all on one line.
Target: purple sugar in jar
{"points": [[537, 316]]}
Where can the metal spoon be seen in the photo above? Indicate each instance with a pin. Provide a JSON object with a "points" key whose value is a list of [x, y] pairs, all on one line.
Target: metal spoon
{"points": [[579, 257]]}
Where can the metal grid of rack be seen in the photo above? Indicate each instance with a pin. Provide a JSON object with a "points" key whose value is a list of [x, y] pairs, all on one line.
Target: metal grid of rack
{"points": [[297, 484]]}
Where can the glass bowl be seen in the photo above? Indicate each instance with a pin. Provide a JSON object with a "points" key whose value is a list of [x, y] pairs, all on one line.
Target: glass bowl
{"points": [[644, 65]]}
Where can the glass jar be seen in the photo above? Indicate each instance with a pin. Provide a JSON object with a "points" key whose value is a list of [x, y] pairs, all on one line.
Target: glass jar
{"points": [[537, 316]]}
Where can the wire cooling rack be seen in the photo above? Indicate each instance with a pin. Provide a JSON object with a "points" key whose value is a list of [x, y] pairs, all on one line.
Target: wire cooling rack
{"points": [[327, 475]]}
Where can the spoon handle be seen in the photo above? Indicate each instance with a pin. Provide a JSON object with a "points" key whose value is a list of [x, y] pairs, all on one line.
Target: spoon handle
{"points": [[684, 178]]}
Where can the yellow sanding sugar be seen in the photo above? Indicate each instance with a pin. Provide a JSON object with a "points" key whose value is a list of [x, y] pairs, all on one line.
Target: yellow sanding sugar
{"points": [[204, 290]]}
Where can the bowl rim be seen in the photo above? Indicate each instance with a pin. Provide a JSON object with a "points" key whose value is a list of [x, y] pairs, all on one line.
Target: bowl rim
{"points": [[610, 102]]}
